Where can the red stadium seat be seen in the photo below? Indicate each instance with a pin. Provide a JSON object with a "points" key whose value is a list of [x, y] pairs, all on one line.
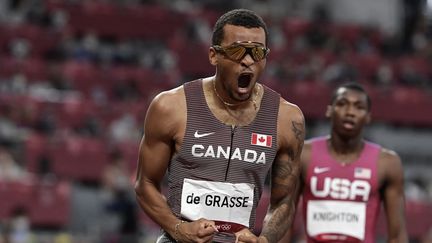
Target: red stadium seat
{"points": [[130, 153], [50, 205], [14, 195], [46, 205], [107, 19], [36, 146], [79, 158], [294, 27], [34, 69]]}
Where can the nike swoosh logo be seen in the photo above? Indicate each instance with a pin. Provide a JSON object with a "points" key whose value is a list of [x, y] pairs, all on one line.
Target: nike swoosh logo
{"points": [[319, 170], [197, 135]]}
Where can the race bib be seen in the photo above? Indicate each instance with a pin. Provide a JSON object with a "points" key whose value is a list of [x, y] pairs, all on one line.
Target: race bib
{"points": [[336, 217], [230, 205]]}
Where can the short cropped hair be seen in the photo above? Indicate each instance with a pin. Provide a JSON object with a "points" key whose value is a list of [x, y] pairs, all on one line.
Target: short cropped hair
{"points": [[352, 86], [238, 17]]}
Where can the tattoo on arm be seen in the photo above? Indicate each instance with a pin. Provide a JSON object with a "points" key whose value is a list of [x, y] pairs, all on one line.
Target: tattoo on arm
{"points": [[285, 188], [297, 128], [283, 207]]}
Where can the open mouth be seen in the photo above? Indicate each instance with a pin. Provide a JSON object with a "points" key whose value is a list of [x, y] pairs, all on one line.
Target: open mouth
{"points": [[244, 80]]}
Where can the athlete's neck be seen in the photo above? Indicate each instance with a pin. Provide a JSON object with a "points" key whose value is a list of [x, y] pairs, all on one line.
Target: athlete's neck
{"points": [[345, 146], [252, 98]]}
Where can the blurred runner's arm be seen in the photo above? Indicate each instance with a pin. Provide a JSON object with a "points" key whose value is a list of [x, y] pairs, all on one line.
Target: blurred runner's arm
{"points": [[393, 197]]}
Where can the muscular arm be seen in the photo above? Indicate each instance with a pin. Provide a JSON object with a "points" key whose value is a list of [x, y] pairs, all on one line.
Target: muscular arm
{"points": [[285, 181], [393, 196], [305, 158], [156, 148]]}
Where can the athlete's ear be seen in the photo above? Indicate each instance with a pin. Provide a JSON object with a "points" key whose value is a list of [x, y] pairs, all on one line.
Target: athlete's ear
{"points": [[328, 111], [212, 56]]}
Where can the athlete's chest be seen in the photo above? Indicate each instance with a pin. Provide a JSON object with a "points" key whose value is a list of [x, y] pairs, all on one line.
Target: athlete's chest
{"points": [[356, 182], [224, 143]]}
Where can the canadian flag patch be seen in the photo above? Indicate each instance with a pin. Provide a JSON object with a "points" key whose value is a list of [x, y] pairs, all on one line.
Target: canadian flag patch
{"points": [[261, 140]]}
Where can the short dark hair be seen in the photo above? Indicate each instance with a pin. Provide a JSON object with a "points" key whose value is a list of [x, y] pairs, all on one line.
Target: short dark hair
{"points": [[238, 17], [353, 86]]}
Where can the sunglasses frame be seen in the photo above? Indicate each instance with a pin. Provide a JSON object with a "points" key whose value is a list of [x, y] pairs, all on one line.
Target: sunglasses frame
{"points": [[247, 45]]}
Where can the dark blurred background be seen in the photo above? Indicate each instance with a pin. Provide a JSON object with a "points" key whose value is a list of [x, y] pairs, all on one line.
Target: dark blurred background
{"points": [[76, 78]]}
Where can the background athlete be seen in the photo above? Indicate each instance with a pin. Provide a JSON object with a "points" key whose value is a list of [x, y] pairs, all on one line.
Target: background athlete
{"points": [[345, 177], [217, 138]]}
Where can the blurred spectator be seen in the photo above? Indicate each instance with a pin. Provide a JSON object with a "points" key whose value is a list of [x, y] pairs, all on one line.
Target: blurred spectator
{"points": [[55, 90], [125, 207], [59, 19], [410, 77], [86, 48], [384, 76], [198, 30], [18, 228], [318, 34], [98, 95], [125, 53], [286, 71], [45, 169], [412, 15], [56, 79], [116, 173], [90, 127], [46, 122], [186, 6], [340, 71], [364, 43], [16, 85], [14, 11], [127, 90], [120, 203], [124, 128], [10, 132], [164, 60], [277, 38], [20, 48], [421, 38], [10, 170], [415, 190]]}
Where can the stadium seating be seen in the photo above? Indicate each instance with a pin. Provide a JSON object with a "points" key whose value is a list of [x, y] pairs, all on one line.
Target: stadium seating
{"points": [[47, 205]]}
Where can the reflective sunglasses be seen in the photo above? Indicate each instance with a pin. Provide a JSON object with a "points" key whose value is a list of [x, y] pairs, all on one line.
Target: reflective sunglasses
{"points": [[238, 50]]}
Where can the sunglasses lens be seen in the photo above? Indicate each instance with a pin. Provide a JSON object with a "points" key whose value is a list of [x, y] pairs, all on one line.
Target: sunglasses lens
{"points": [[258, 53], [236, 52]]}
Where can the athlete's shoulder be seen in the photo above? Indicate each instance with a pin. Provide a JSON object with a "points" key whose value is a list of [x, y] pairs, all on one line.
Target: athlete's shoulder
{"points": [[318, 139], [167, 109], [290, 111], [307, 147], [168, 95], [306, 152], [291, 120], [390, 162], [388, 156], [315, 141], [308, 143], [165, 100]]}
